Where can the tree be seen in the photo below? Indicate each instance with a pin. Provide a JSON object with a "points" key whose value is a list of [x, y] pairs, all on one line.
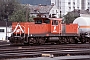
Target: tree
{"points": [[31, 18], [71, 16], [7, 7], [18, 16], [12, 10], [21, 15]]}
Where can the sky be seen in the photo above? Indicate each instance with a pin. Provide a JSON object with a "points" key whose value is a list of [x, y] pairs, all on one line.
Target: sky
{"points": [[36, 2]]}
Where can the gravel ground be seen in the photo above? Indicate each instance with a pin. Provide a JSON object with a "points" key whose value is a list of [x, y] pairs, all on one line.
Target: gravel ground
{"points": [[86, 57], [4, 42]]}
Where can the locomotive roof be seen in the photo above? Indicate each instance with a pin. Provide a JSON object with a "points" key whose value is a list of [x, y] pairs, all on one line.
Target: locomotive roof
{"points": [[55, 18], [41, 18], [47, 18]]}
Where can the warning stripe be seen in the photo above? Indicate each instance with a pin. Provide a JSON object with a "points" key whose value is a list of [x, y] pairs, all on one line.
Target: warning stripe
{"points": [[84, 26]]}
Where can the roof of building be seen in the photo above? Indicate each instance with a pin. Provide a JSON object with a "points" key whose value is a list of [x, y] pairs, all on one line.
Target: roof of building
{"points": [[43, 9], [3, 24], [84, 12]]}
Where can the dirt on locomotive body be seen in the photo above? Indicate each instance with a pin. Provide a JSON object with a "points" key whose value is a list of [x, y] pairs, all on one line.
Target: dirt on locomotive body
{"points": [[46, 30]]}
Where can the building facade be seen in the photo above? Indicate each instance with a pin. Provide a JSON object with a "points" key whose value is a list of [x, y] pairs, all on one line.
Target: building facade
{"points": [[3, 30], [69, 5], [44, 10]]}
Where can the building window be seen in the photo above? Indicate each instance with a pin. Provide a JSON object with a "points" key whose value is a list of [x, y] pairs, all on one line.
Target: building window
{"points": [[78, 7], [1, 30], [73, 3], [69, 3], [73, 7], [56, 11], [88, 3], [88, 7], [60, 7], [69, 7]]}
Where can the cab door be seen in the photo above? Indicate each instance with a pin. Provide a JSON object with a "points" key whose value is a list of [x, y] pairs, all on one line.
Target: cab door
{"points": [[55, 26]]}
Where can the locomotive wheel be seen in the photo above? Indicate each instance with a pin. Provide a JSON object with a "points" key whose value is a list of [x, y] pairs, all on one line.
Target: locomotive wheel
{"points": [[59, 41], [83, 41], [65, 40], [62, 40], [41, 41], [76, 42], [89, 41], [32, 41], [71, 40]]}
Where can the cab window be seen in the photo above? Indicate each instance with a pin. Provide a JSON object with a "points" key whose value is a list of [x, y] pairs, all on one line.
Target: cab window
{"points": [[38, 21], [54, 22], [46, 21]]}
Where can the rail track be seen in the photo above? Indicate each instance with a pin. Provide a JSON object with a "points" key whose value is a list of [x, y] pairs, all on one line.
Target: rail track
{"points": [[11, 51]]}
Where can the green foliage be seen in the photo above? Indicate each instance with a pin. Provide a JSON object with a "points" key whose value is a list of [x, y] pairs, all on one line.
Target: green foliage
{"points": [[21, 15], [31, 18], [14, 11], [18, 16], [7, 7], [71, 16]]}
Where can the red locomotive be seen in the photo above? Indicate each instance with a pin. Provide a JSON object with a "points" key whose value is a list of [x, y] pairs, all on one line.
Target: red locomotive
{"points": [[45, 30]]}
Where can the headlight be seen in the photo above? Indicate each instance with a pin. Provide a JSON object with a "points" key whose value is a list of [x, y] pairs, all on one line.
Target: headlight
{"points": [[31, 34]]}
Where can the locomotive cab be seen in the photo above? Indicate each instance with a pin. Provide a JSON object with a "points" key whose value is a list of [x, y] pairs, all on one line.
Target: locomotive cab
{"points": [[56, 25]]}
